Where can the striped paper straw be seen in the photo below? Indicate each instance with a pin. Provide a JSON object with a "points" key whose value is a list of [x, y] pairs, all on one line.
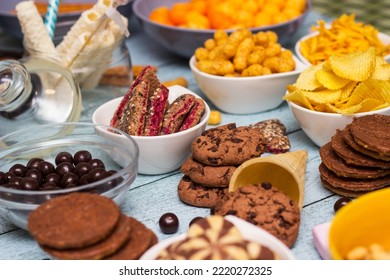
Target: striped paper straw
{"points": [[51, 16]]}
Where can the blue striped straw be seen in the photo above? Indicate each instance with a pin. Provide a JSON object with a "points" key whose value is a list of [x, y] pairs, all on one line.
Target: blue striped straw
{"points": [[51, 16]]}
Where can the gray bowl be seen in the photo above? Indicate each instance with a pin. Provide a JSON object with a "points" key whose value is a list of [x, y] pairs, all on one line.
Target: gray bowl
{"points": [[184, 41]]}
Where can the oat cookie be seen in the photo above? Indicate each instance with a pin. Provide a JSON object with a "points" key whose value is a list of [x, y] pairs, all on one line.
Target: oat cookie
{"points": [[98, 250], [264, 206], [211, 176], [141, 239], [198, 195], [74, 220], [228, 145]]}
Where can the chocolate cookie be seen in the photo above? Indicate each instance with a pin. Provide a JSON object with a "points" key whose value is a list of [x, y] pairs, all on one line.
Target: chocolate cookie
{"points": [[197, 195], [372, 132], [352, 157], [264, 206], [275, 135], [74, 220], [98, 250], [354, 187], [141, 239], [176, 113], [206, 175], [347, 136], [334, 163], [259, 252], [228, 145]]}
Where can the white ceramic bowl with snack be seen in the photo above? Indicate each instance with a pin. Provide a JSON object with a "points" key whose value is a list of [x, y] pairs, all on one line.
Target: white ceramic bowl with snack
{"points": [[320, 126], [245, 95], [249, 232], [384, 38], [158, 154]]}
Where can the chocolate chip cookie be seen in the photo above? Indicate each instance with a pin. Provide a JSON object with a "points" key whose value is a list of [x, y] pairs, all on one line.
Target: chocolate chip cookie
{"points": [[198, 195], [264, 206], [228, 145], [211, 176]]}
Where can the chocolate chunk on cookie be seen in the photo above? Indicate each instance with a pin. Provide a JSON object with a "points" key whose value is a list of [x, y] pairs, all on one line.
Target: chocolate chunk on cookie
{"points": [[353, 157], [74, 220], [198, 195], [264, 206], [275, 135], [206, 175], [334, 163], [98, 250], [141, 238], [228, 145], [372, 132]]}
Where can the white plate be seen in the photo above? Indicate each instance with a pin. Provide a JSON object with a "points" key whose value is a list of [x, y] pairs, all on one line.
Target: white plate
{"points": [[249, 232]]}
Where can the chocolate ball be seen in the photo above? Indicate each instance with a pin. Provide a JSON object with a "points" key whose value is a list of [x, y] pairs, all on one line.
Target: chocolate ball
{"points": [[169, 223], [82, 156], [33, 163], [194, 220], [64, 168], [82, 168], [69, 179], [53, 178], [29, 184], [341, 202], [96, 163], [95, 174], [3, 178], [35, 174], [45, 167], [18, 169], [63, 157]]}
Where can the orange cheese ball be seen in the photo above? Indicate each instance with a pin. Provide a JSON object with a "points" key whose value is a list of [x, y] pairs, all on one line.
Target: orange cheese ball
{"points": [[228, 14]]}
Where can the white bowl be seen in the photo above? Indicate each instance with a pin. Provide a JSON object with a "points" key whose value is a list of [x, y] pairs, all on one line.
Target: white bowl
{"points": [[248, 231], [383, 37], [158, 154], [245, 95], [320, 126]]}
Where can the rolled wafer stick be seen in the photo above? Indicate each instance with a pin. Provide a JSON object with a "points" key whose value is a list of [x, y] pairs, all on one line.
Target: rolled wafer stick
{"points": [[34, 30]]}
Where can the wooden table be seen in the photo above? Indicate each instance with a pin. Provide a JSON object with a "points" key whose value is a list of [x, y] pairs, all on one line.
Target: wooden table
{"points": [[152, 196]]}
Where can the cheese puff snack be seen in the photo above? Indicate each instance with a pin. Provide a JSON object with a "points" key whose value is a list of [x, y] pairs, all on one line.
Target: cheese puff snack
{"points": [[243, 54]]}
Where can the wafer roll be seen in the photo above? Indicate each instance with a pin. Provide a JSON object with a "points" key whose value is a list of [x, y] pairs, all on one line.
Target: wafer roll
{"points": [[35, 33]]}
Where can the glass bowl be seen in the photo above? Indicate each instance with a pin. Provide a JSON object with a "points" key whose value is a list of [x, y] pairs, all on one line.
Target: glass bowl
{"points": [[45, 142]]}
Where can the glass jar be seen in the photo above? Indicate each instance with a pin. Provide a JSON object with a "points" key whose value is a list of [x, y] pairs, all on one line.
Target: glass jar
{"points": [[88, 67], [35, 90]]}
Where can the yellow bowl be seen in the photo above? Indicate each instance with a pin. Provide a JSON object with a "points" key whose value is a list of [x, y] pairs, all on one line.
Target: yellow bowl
{"points": [[363, 222]]}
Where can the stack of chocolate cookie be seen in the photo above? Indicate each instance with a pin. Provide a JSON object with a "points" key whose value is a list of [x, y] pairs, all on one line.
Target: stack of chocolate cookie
{"points": [[88, 226], [357, 159], [217, 153]]}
